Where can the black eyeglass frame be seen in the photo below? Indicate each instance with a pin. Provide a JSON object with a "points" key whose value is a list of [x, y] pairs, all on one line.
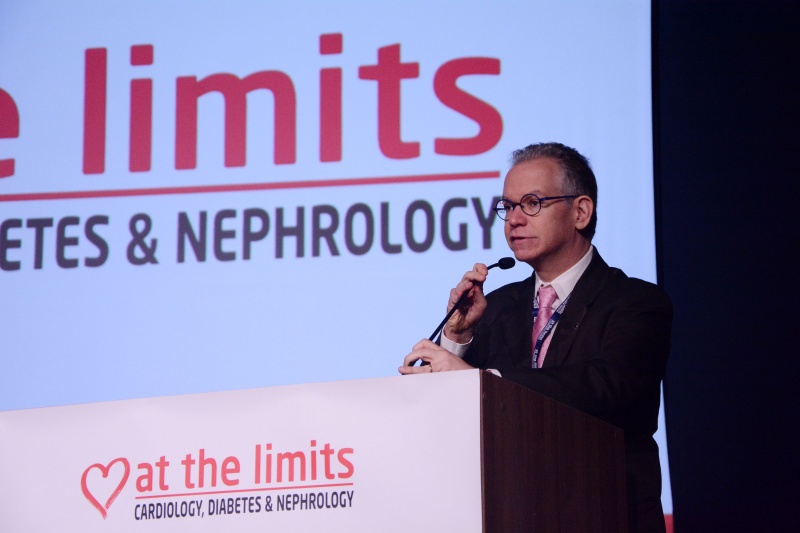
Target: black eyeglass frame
{"points": [[503, 203]]}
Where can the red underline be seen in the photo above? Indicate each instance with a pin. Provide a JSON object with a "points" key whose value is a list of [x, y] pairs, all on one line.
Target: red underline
{"points": [[230, 491], [239, 187]]}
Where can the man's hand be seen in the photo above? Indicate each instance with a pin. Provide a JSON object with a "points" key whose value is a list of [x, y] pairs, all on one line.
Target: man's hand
{"points": [[438, 359], [459, 327]]}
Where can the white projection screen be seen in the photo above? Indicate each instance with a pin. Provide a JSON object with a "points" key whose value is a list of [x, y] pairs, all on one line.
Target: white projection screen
{"points": [[204, 195]]}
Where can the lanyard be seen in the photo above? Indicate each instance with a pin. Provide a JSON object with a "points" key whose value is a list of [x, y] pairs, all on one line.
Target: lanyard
{"points": [[547, 328]]}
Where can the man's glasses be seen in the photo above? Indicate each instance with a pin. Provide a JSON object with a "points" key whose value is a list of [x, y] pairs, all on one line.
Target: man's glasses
{"points": [[530, 205]]}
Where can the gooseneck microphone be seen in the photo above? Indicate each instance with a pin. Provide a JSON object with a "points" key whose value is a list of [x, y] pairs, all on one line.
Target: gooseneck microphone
{"points": [[504, 264]]}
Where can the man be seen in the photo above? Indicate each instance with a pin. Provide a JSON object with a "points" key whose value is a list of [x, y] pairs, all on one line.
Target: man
{"points": [[601, 339]]}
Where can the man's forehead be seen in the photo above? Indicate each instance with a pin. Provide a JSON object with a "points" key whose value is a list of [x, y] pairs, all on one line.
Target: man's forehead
{"points": [[510, 194], [539, 176]]}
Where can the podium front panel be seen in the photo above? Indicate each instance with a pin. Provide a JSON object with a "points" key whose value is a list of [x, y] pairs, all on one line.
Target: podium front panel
{"points": [[391, 454]]}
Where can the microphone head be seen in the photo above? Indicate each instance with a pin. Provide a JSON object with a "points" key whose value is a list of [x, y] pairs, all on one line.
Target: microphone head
{"points": [[506, 263]]}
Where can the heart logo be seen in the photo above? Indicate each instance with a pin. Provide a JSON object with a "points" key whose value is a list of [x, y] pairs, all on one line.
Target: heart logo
{"points": [[104, 470]]}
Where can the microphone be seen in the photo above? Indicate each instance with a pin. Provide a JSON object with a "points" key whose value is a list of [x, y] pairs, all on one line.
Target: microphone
{"points": [[504, 264]]}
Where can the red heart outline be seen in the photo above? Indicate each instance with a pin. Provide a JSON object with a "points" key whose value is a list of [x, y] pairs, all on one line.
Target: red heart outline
{"points": [[104, 470]]}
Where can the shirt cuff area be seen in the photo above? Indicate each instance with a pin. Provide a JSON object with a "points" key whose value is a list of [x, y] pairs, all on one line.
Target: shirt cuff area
{"points": [[454, 347], [461, 349]]}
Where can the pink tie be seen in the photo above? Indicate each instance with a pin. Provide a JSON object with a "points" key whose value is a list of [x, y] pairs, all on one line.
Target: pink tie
{"points": [[547, 295]]}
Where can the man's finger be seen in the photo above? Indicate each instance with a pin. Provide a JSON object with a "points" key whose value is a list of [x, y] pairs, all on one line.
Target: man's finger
{"points": [[424, 343], [405, 370]]}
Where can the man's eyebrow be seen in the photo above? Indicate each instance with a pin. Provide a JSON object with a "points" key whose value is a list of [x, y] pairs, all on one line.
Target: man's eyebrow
{"points": [[537, 192]]}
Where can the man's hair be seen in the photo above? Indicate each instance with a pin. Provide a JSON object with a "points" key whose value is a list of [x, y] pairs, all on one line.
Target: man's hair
{"points": [[576, 174]]}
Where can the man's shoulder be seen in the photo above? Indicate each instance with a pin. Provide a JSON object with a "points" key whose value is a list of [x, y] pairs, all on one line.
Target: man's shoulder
{"points": [[622, 286]]}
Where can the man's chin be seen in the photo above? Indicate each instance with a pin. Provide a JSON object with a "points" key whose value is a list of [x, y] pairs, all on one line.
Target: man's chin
{"points": [[524, 256]]}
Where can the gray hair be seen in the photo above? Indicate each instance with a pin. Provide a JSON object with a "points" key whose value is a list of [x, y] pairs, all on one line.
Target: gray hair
{"points": [[577, 177]]}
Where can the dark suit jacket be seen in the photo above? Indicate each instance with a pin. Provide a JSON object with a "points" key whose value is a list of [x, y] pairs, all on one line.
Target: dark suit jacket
{"points": [[607, 358]]}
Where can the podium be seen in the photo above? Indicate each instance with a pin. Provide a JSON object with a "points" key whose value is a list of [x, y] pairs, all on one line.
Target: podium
{"points": [[456, 451], [547, 466]]}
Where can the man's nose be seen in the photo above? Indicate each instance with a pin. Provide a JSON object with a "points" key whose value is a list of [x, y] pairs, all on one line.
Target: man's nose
{"points": [[517, 217]]}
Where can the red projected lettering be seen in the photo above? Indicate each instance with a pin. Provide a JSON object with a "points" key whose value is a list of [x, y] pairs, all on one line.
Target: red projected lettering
{"points": [[388, 73], [94, 111], [330, 101], [141, 112], [487, 117], [235, 92], [9, 129]]}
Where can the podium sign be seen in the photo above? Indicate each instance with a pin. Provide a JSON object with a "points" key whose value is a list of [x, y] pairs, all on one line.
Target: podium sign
{"points": [[392, 454]]}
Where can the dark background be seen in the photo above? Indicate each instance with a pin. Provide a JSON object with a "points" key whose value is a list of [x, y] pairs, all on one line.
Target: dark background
{"points": [[726, 87]]}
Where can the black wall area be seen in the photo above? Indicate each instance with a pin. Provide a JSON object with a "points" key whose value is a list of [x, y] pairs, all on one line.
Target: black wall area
{"points": [[727, 158]]}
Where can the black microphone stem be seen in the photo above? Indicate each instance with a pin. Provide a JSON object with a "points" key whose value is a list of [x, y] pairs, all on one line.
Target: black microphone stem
{"points": [[504, 263], [449, 314]]}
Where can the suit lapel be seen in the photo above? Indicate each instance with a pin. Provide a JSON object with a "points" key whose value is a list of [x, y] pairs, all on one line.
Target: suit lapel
{"points": [[517, 328], [584, 293]]}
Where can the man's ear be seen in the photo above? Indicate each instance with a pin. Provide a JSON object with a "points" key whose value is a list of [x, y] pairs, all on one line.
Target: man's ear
{"points": [[583, 207]]}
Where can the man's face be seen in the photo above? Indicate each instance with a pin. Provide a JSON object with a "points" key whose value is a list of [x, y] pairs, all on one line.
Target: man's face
{"points": [[542, 238]]}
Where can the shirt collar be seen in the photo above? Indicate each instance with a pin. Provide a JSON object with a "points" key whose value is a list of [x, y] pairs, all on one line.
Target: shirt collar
{"points": [[565, 282]]}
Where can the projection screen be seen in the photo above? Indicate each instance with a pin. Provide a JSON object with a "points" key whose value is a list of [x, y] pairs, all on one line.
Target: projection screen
{"points": [[201, 196]]}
